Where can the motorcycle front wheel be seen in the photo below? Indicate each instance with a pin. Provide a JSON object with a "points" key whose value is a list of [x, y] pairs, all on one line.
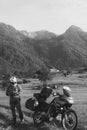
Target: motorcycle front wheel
{"points": [[37, 118], [70, 120]]}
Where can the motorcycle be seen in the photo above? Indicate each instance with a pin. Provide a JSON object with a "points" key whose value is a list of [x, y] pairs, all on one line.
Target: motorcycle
{"points": [[58, 109]]}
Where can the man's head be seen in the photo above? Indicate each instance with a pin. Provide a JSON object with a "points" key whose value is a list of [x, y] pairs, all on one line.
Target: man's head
{"points": [[13, 80]]}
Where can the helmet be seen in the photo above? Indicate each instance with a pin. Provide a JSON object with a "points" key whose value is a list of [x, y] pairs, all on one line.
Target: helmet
{"points": [[66, 91], [13, 80]]}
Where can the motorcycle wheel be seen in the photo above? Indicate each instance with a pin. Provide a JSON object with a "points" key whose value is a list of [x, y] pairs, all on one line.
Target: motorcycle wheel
{"points": [[37, 118], [70, 120]]}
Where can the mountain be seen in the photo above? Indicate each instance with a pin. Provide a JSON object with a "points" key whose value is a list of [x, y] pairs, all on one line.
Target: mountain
{"points": [[68, 50], [23, 55], [16, 53]]}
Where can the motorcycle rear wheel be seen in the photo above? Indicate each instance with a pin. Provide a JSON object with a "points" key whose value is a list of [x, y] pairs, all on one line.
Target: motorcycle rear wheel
{"points": [[70, 120], [37, 118]]}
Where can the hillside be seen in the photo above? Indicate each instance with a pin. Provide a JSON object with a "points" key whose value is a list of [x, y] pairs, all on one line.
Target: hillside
{"points": [[23, 55], [16, 54], [68, 50]]}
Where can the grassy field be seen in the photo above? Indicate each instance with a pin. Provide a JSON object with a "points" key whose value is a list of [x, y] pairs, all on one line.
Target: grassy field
{"points": [[78, 85]]}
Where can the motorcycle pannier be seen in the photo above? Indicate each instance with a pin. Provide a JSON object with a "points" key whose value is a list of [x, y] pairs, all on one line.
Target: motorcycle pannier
{"points": [[45, 92], [29, 104]]}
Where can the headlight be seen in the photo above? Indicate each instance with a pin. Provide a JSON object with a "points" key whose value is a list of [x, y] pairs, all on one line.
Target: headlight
{"points": [[36, 103]]}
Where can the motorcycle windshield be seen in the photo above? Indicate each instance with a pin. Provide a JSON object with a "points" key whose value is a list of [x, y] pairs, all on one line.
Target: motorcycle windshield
{"points": [[70, 100]]}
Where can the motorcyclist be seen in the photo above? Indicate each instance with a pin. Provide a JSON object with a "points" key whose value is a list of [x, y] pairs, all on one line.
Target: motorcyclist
{"points": [[13, 91]]}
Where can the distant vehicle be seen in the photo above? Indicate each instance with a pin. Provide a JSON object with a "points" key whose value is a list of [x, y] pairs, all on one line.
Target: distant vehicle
{"points": [[53, 70]]}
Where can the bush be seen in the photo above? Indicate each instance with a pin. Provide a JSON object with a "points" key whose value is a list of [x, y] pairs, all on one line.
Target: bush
{"points": [[25, 81]]}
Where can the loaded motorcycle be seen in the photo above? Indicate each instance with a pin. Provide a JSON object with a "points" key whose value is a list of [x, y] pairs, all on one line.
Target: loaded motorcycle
{"points": [[58, 109]]}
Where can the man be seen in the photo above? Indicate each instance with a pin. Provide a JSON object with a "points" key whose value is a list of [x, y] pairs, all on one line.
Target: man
{"points": [[13, 91]]}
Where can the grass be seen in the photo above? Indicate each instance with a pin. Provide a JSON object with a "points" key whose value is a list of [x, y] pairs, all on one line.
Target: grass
{"points": [[78, 85]]}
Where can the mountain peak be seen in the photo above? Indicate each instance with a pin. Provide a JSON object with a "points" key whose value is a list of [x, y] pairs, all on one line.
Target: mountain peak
{"points": [[74, 29]]}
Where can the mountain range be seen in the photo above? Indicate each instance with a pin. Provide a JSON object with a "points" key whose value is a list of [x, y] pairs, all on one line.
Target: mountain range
{"points": [[23, 52]]}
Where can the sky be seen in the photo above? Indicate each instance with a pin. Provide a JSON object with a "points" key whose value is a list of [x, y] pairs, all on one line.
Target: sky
{"points": [[52, 15]]}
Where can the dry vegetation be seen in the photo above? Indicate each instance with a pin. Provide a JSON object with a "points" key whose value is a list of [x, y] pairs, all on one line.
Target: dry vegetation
{"points": [[78, 84]]}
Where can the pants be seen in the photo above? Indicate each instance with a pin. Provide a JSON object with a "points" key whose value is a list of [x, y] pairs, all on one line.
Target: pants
{"points": [[15, 104]]}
